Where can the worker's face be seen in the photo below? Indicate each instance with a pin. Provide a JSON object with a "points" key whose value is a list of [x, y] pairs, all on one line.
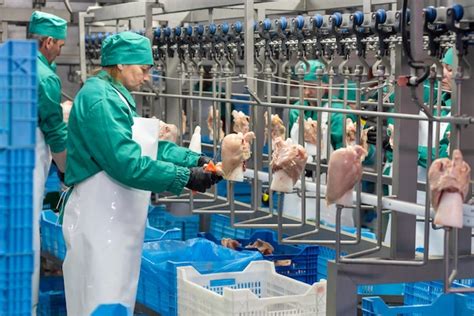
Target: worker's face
{"points": [[446, 83], [309, 91], [52, 48], [134, 76]]}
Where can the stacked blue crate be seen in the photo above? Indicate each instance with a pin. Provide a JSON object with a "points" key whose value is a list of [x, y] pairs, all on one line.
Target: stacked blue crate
{"points": [[18, 120], [52, 300], [160, 218], [221, 228], [425, 298]]}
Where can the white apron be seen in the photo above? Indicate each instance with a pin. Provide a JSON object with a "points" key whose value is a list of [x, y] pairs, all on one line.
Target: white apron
{"points": [[104, 226], [40, 173]]}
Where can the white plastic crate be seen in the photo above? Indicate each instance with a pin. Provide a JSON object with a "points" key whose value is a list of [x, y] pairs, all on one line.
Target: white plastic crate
{"points": [[256, 291]]}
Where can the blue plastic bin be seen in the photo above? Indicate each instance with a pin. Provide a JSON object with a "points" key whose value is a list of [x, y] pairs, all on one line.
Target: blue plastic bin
{"points": [[157, 287], [296, 262], [53, 184], [16, 200], [160, 218], [221, 228], [447, 304], [15, 284], [52, 300], [52, 239], [18, 94]]}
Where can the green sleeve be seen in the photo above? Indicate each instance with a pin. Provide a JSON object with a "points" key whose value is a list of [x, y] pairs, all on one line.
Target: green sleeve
{"points": [[51, 114], [423, 152], [170, 152], [337, 125], [337, 121], [370, 158], [111, 146]]}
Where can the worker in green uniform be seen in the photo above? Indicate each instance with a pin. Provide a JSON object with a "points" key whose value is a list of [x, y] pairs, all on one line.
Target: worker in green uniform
{"points": [[310, 78], [50, 32], [114, 160], [436, 236]]}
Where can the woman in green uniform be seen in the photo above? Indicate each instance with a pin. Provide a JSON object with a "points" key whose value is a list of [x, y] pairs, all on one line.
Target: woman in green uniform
{"points": [[113, 162]]}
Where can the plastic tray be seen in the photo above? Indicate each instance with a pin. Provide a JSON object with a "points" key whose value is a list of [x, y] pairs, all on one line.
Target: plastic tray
{"points": [[18, 93], [258, 290]]}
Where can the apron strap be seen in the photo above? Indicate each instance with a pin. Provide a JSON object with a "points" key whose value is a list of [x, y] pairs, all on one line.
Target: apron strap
{"points": [[123, 99]]}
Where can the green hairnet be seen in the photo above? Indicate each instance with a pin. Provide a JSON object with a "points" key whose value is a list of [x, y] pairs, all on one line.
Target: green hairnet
{"points": [[448, 57], [314, 65], [126, 48], [42, 23]]}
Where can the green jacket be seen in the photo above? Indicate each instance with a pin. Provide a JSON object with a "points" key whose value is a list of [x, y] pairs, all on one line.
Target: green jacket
{"points": [[50, 113], [100, 138], [294, 114]]}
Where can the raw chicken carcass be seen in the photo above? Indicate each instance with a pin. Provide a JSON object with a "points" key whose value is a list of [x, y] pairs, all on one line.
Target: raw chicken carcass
{"points": [[195, 143], [168, 132], [230, 243], [235, 151], [344, 171], [449, 185], [241, 122], [288, 162], [278, 128], [310, 134], [264, 247], [210, 124], [351, 130]]}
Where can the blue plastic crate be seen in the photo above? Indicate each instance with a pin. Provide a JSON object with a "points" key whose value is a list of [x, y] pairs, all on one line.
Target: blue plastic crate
{"points": [[221, 228], [160, 218], [428, 291], [52, 239], [18, 93], [16, 200], [451, 304], [326, 254], [296, 262], [53, 184], [52, 300], [15, 284], [157, 290]]}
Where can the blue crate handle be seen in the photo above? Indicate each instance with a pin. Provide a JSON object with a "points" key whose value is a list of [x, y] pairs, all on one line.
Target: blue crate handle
{"points": [[112, 310]]}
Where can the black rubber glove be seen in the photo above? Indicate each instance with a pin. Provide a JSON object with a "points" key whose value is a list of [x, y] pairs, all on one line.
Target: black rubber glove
{"points": [[203, 160], [372, 137], [200, 180]]}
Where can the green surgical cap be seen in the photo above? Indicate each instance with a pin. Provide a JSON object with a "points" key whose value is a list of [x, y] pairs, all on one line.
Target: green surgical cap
{"points": [[314, 65], [126, 48], [448, 57], [42, 23]]}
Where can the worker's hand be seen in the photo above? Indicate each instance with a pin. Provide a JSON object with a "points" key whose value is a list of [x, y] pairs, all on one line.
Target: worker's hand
{"points": [[372, 137], [201, 180], [203, 160]]}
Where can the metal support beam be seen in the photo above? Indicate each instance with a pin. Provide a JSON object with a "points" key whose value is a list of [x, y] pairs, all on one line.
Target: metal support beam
{"points": [[405, 154], [23, 15], [343, 294]]}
